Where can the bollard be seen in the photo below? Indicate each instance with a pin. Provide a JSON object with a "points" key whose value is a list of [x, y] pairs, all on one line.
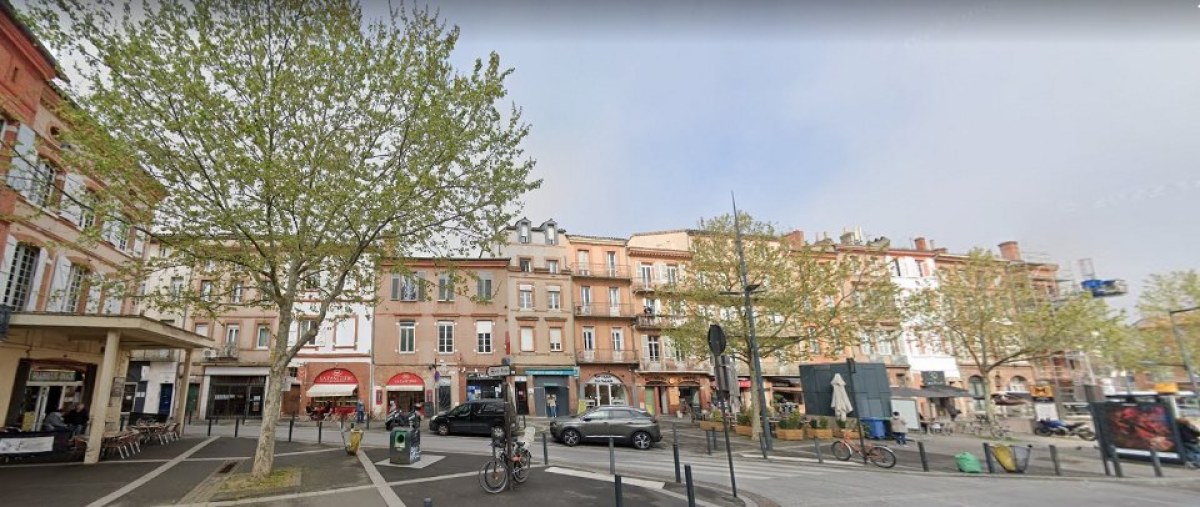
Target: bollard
{"points": [[428, 502], [612, 457], [817, 447], [674, 435], [924, 458], [545, 451], [1116, 461], [1104, 459], [987, 456], [708, 442], [1054, 459], [236, 424], [620, 498], [675, 447], [210, 421], [691, 487], [319, 427], [291, 427], [1156, 462]]}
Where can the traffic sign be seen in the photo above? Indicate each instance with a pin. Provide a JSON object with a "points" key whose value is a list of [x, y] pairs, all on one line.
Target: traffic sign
{"points": [[499, 371], [716, 339]]}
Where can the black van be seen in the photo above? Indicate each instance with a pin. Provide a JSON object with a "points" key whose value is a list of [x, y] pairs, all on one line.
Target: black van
{"points": [[477, 417]]}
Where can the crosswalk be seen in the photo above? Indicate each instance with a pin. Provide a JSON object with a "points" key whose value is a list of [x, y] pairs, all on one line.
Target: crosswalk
{"points": [[716, 468]]}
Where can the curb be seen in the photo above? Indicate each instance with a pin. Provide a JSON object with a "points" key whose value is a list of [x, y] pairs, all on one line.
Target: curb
{"points": [[708, 489]]}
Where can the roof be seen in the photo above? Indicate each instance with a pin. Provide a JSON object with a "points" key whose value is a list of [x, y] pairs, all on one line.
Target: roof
{"points": [[12, 14], [137, 332]]}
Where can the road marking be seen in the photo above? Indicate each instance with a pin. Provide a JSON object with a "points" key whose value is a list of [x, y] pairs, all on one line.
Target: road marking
{"points": [[426, 460], [607, 478], [289, 496], [385, 491], [111, 497], [277, 455], [432, 479], [832, 461]]}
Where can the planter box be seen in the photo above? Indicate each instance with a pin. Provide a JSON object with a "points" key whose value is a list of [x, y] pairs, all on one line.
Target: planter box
{"points": [[850, 434], [796, 434], [710, 425], [744, 431], [821, 433]]}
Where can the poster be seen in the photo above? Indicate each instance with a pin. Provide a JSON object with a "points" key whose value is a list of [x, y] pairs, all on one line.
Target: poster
{"points": [[1138, 426]]}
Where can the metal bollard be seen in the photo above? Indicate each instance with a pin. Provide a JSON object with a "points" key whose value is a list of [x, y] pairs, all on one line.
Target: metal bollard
{"points": [[210, 421], [545, 451], [236, 424], [708, 442], [1156, 462], [1104, 459], [620, 497], [675, 447], [319, 427], [122, 422], [817, 447], [691, 487], [428, 502], [291, 427], [1116, 461], [1054, 459], [612, 457], [674, 435], [924, 458], [987, 457]]}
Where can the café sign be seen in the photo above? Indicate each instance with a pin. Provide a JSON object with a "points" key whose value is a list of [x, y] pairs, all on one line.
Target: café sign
{"points": [[336, 376]]}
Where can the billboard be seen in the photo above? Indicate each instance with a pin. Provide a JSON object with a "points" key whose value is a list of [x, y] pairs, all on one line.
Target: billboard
{"points": [[1138, 426]]}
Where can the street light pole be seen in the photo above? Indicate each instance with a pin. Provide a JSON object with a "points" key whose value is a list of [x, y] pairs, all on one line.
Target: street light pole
{"points": [[1187, 362], [764, 440]]}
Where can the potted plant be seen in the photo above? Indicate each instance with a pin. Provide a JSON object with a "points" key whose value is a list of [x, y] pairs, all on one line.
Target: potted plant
{"points": [[820, 428], [743, 424], [712, 422], [791, 428], [848, 428]]}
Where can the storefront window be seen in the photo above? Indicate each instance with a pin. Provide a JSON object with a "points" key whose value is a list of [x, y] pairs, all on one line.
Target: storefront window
{"points": [[605, 389]]}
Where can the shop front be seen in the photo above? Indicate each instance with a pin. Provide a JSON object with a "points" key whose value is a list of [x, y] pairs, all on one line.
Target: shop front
{"points": [[334, 390], [668, 393], [552, 382], [42, 385], [235, 391], [787, 395], [405, 391], [481, 386], [605, 389]]}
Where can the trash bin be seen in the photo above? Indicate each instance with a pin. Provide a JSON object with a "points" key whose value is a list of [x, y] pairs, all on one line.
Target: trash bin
{"points": [[876, 427], [356, 436], [404, 446], [1012, 459]]}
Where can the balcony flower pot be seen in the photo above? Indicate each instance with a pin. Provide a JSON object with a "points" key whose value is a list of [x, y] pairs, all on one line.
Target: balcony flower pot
{"points": [[744, 431], [790, 434], [710, 425], [821, 433]]}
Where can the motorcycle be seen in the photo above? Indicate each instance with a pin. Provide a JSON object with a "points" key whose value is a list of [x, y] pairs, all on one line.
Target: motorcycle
{"points": [[1048, 428], [398, 418]]}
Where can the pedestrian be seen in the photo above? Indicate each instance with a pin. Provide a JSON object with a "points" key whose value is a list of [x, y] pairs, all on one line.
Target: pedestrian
{"points": [[900, 429], [77, 418], [924, 424], [953, 413], [360, 411], [1191, 442], [54, 421], [552, 405]]}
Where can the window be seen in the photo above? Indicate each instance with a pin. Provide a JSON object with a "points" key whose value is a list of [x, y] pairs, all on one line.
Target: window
{"points": [[405, 288], [527, 339], [556, 339], [74, 287], [264, 336], [176, 287], [581, 261], [589, 338], [202, 329], [206, 288], [896, 268], [618, 339], [41, 183], [552, 266], [236, 294], [445, 287], [614, 297], [483, 287], [610, 259], [408, 337], [445, 337], [307, 326], [672, 273], [525, 298], [1019, 384], [646, 273], [551, 235], [116, 231], [524, 235], [20, 282], [975, 385], [553, 298], [87, 213], [232, 333], [483, 337], [585, 296], [653, 348], [884, 344], [526, 265]]}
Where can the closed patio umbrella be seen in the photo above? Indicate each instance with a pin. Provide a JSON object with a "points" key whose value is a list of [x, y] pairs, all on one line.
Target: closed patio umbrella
{"points": [[841, 401]]}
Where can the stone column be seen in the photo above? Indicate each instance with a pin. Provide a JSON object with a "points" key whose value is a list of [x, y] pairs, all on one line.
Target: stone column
{"points": [[182, 373], [101, 396]]}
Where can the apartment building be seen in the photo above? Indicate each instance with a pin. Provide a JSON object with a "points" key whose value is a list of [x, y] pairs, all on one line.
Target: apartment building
{"points": [[68, 339], [438, 325], [606, 349], [540, 317]]}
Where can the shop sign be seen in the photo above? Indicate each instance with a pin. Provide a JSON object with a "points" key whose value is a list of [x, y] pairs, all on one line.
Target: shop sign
{"points": [[933, 378], [51, 376], [336, 376], [499, 371], [405, 379], [604, 378], [567, 372]]}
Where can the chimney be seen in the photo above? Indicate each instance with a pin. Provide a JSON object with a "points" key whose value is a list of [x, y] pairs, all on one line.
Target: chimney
{"points": [[1010, 251], [795, 239], [922, 244]]}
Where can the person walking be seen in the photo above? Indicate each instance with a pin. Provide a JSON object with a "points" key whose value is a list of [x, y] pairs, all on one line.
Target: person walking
{"points": [[1191, 442], [552, 405], [900, 429]]}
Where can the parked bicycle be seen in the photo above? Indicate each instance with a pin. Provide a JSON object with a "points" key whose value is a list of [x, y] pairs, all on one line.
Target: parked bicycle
{"points": [[983, 427], [510, 464], [878, 455]]}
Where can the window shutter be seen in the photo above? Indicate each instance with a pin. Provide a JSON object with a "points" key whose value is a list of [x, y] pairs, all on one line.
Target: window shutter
{"points": [[58, 285], [420, 286], [139, 243], [93, 302], [10, 250], [21, 169], [35, 289], [395, 287], [73, 191]]}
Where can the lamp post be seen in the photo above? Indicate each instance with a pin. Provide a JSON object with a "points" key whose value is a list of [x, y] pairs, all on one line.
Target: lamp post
{"points": [[1187, 362], [748, 289]]}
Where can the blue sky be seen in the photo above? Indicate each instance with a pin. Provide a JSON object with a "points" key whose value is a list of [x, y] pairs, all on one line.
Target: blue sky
{"points": [[1071, 129]]}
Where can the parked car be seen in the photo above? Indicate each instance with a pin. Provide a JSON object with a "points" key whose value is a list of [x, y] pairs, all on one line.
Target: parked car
{"points": [[628, 425], [476, 417]]}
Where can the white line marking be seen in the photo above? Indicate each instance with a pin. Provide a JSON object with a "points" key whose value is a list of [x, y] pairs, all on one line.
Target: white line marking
{"points": [[111, 497], [814, 460], [605, 477], [432, 479], [426, 460], [385, 491], [289, 496]]}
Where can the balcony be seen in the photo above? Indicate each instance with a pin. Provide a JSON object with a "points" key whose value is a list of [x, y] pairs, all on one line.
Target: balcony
{"points": [[616, 271], [223, 352], [652, 321], [675, 365], [606, 356], [167, 355], [605, 310], [641, 284]]}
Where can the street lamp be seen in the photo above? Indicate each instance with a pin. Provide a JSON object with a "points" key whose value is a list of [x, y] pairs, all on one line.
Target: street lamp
{"points": [[1187, 362]]}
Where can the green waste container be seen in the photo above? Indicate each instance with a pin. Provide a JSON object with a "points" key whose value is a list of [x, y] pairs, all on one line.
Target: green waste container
{"points": [[404, 446]]}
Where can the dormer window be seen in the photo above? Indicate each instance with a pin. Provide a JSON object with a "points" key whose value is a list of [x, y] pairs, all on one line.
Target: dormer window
{"points": [[551, 235], [524, 232]]}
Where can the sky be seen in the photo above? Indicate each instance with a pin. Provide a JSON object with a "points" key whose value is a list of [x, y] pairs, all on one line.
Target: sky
{"points": [[1071, 128]]}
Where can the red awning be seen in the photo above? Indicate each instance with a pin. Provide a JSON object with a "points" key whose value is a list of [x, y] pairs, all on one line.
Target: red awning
{"points": [[744, 383], [405, 382]]}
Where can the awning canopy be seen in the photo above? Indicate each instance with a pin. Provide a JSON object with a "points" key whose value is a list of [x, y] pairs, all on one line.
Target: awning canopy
{"points": [[137, 332], [331, 390], [930, 392]]}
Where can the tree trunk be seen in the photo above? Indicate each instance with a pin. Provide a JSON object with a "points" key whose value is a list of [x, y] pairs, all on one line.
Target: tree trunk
{"points": [[755, 420], [264, 452], [989, 409]]}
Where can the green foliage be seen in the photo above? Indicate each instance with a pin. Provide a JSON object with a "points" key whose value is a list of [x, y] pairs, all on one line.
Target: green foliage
{"points": [[743, 417], [292, 144], [793, 421]]}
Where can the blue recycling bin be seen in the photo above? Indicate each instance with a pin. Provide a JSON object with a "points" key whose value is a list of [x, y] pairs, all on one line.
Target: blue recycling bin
{"points": [[876, 427]]}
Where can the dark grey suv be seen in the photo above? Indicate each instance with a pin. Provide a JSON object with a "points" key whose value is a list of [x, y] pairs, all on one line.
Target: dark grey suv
{"points": [[625, 424]]}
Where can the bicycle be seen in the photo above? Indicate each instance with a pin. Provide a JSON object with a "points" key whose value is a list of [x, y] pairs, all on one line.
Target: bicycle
{"points": [[495, 475], [878, 455]]}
